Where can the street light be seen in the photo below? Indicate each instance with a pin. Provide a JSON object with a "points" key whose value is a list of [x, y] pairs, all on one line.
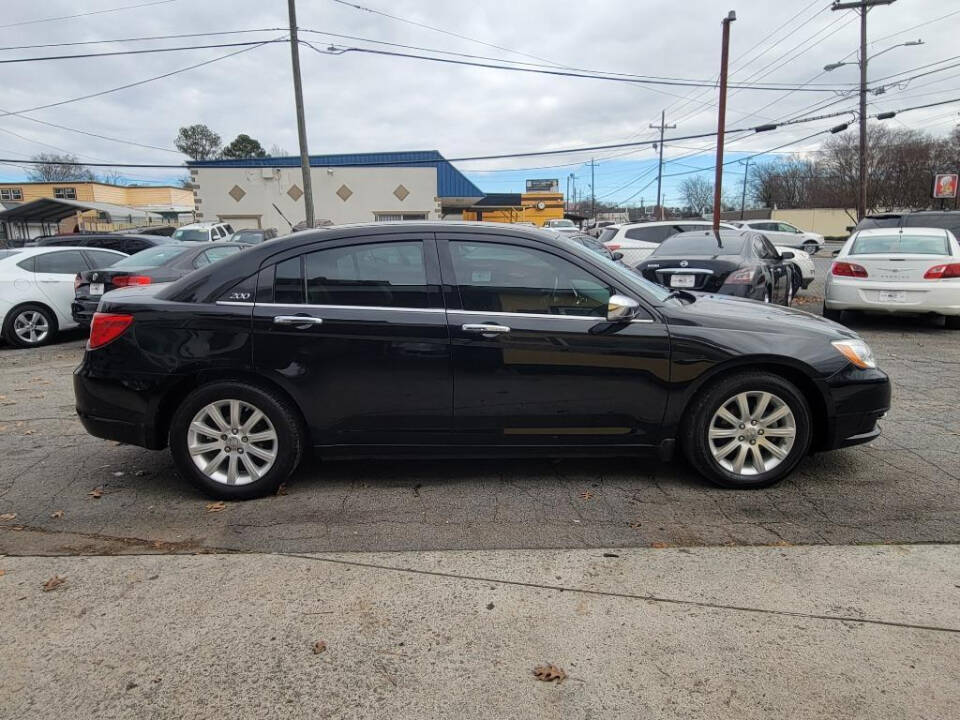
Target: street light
{"points": [[834, 66]]}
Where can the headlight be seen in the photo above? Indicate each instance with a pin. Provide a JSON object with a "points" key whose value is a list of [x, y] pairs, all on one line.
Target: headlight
{"points": [[857, 352]]}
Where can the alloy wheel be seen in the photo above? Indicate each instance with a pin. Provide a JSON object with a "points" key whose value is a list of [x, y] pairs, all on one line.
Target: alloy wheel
{"points": [[232, 442], [752, 433], [31, 326]]}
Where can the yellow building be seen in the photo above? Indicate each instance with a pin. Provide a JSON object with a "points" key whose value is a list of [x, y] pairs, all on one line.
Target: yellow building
{"points": [[535, 207], [164, 199]]}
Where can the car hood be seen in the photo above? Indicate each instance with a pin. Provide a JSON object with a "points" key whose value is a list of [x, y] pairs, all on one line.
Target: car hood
{"points": [[741, 314]]}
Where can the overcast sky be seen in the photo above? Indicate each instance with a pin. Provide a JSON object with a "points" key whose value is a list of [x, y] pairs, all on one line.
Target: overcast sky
{"points": [[358, 102]]}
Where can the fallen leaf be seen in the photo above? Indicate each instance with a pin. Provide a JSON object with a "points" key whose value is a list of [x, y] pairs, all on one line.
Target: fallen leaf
{"points": [[53, 583], [2, 573], [8, 516], [659, 545], [319, 646], [57, 515], [549, 673], [96, 493], [29, 432], [636, 524], [216, 507], [586, 495], [282, 489]]}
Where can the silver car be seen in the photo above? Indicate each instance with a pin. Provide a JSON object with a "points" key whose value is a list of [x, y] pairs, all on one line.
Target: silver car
{"points": [[896, 270], [785, 234]]}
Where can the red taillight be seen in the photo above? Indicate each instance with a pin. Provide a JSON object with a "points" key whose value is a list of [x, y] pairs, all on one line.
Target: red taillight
{"points": [[612, 246], [942, 272], [845, 269], [107, 327], [77, 282], [128, 280], [744, 276]]}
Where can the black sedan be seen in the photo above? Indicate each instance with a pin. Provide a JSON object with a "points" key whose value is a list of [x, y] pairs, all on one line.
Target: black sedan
{"points": [[125, 243], [169, 260], [464, 340], [728, 262]]}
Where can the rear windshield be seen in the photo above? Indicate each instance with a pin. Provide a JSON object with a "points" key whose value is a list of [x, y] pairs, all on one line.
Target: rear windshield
{"points": [[905, 244], [192, 235], [152, 257], [701, 244], [869, 223], [607, 234], [7, 253]]}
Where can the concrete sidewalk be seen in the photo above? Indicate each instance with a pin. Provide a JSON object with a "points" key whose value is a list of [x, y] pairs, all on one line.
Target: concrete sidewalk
{"points": [[774, 632]]}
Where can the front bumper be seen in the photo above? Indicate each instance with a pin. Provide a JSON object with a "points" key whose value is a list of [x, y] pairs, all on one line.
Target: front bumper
{"points": [[934, 296], [860, 398]]}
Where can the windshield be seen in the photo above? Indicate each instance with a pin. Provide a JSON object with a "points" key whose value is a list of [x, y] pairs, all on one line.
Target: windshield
{"points": [[630, 277], [900, 244], [607, 234], [153, 257], [701, 244], [562, 224], [191, 235]]}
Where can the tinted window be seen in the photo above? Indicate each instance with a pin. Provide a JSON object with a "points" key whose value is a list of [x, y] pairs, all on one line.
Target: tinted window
{"points": [[783, 227], [701, 244], [63, 262], [102, 259], [153, 257], [868, 223], [944, 221], [381, 274], [607, 234], [214, 254], [134, 245], [907, 244], [507, 278], [27, 264], [764, 248], [228, 228], [249, 236], [288, 282], [109, 243], [652, 234], [191, 235]]}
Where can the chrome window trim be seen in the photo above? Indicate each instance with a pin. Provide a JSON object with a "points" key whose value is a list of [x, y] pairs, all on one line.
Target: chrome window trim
{"points": [[527, 315]]}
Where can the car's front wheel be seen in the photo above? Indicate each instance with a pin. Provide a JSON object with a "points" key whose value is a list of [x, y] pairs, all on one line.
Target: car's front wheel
{"points": [[235, 440], [810, 247], [748, 430], [30, 326]]}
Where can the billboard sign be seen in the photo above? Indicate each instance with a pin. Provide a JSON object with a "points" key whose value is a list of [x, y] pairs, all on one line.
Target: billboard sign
{"points": [[945, 186], [550, 186]]}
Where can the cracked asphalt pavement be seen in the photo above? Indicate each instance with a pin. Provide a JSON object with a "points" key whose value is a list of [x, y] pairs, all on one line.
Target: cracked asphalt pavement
{"points": [[903, 488]]}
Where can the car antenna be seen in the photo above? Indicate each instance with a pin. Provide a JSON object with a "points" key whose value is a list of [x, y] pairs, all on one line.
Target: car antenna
{"points": [[282, 215]]}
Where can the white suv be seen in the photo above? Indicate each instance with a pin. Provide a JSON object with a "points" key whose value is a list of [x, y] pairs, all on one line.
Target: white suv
{"points": [[637, 240], [203, 232], [785, 234]]}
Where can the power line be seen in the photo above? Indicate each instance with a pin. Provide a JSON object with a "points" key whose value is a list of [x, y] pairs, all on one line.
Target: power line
{"points": [[146, 51], [87, 14], [139, 39]]}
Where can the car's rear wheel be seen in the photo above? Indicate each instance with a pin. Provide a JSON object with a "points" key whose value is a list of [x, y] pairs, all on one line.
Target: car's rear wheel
{"points": [[748, 430], [831, 314], [791, 288], [30, 326], [810, 247], [952, 322], [767, 295], [235, 440]]}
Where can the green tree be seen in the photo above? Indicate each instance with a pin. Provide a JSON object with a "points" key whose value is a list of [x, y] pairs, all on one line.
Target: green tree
{"points": [[244, 146], [198, 142]]}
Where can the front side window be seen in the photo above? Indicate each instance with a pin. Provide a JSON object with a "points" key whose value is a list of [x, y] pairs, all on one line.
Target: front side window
{"points": [[376, 274], [495, 277], [63, 262], [11, 194], [65, 193]]}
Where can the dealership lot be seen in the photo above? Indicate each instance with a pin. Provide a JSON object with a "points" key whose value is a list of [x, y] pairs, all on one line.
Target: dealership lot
{"points": [[901, 488]]}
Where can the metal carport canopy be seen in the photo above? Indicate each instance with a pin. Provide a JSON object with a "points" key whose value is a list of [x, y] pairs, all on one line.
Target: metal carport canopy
{"points": [[54, 210]]}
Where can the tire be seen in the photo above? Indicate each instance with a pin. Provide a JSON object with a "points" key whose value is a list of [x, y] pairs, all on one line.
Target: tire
{"points": [[280, 434], [793, 429], [810, 247], [952, 322], [791, 289], [767, 295], [30, 320], [830, 314]]}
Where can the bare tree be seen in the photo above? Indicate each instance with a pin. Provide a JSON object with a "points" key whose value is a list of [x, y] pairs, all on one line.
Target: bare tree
{"points": [[112, 177], [58, 168], [697, 193], [277, 151]]}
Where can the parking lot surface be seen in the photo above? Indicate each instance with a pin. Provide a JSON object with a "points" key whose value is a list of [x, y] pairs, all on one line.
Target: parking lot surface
{"points": [[71, 493]]}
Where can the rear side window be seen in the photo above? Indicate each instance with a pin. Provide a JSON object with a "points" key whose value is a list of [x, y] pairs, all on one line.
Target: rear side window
{"points": [[101, 259], [654, 235], [607, 234], [214, 254], [63, 262], [381, 274]]}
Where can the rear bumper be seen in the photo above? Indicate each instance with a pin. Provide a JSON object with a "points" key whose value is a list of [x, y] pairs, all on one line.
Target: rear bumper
{"points": [[935, 296], [83, 310]]}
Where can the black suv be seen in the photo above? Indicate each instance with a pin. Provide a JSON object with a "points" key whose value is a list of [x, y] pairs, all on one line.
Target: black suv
{"points": [[943, 219]]}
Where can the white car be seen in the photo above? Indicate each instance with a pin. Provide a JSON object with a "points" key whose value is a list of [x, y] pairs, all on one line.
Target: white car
{"points": [[785, 234], [896, 270], [203, 232], [567, 227], [37, 288], [802, 260], [635, 241]]}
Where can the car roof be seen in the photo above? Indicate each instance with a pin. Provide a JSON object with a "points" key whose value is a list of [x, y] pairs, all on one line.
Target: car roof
{"points": [[668, 223], [200, 225]]}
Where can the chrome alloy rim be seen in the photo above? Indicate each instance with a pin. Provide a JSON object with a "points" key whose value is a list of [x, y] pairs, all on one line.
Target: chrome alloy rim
{"points": [[31, 326], [232, 442], [752, 433]]}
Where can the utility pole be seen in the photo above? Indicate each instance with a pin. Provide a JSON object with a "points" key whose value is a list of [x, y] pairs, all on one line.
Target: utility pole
{"points": [[721, 121], [593, 192], [862, 6], [743, 197], [566, 197], [301, 121], [661, 127]]}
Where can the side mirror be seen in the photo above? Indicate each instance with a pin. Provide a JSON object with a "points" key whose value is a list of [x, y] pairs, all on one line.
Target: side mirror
{"points": [[787, 255], [620, 308], [835, 253], [617, 256]]}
